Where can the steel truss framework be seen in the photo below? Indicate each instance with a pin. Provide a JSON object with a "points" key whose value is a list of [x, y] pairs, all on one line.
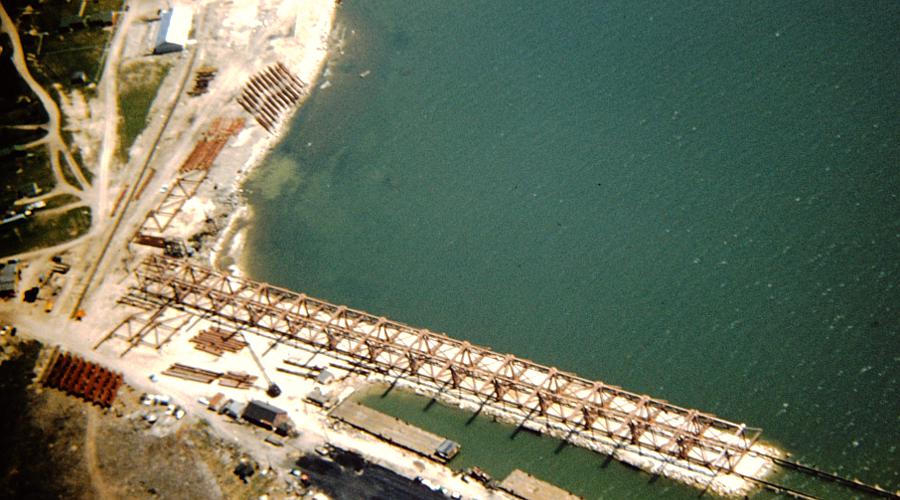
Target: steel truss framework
{"points": [[191, 174], [183, 188], [590, 411], [151, 327]]}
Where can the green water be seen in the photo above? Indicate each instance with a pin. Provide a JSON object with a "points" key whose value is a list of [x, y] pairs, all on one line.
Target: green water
{"points": [[696, 200]]}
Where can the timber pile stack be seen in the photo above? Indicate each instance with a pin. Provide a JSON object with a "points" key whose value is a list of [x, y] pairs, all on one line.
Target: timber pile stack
{"points": [[83, 379], [270, 93], [192, 373], [217, 341]]}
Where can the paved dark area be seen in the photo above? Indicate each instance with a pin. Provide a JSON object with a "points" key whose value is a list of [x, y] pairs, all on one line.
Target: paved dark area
{"points": [[347, 476]]}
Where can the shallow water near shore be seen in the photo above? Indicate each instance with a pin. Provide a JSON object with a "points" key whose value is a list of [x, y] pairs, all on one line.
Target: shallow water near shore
{"points": [[698, 201]]}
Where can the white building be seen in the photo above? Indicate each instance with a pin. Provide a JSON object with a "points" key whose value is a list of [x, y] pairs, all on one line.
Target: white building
{"points": [[174, 28]]}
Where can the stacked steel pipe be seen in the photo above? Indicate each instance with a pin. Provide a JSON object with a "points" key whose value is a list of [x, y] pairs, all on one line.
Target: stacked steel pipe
{"points": [[270, 93]]}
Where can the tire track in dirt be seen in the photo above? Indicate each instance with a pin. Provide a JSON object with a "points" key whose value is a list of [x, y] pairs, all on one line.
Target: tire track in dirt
{"points": [[103, 489]]}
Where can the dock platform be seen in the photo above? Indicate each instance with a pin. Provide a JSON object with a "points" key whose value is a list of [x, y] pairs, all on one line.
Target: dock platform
{"points": [[396, 431], [524, 485]]}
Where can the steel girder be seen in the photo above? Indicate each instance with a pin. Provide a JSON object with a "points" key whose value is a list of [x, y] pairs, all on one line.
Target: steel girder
{"points": [[584, 407]]}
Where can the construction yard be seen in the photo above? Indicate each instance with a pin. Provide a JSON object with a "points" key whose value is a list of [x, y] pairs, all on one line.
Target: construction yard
{"points": [[83, 450]]}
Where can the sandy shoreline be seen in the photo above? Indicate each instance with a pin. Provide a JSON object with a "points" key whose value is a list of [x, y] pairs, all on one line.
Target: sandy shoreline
{"points": [[227, 250]]}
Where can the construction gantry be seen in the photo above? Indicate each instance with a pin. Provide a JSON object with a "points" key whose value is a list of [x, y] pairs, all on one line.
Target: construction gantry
{"points": [[652, 434]]}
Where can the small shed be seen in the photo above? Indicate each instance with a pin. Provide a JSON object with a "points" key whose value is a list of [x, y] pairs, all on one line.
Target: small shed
{"points": [[79, 78], [174, 28], [9, 278], [448, 449], [233, 409], [217, 402], [319, 397], [265, 415], [32, 190], [325, 376]]}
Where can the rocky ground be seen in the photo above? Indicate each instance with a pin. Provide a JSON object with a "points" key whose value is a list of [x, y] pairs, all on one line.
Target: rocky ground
{"points": [[68, 448], [73, 449]]}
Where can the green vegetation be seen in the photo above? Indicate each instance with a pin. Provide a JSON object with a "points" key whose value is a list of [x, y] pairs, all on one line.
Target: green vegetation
{"points": [[19, 169], [67, 173], [140, 83], [18, 104], [10, 136], [62, 41], [61, 200], [41, 231]]}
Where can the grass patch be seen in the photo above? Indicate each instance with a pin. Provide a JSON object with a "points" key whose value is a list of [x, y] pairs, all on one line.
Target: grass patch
{"points": [[64, 54], [140, 84], [61, 200], [67, 173], [63, 42], [69, 139], [18, 169], [18, 104], [12, 136], [41, 231]]}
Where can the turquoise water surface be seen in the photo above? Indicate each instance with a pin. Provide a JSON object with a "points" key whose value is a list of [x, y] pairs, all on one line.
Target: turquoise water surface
{"points": [[696, 200]]}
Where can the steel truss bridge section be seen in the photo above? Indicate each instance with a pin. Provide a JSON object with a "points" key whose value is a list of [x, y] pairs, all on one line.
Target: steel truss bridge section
{"points": [[662, 438]]}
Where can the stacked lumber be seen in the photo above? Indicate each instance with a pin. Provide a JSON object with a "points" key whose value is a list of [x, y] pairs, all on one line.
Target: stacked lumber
{"points": [[217, 341], [192, 373]]}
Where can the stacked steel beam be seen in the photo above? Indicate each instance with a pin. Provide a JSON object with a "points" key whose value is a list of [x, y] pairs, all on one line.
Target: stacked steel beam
{"points": [[696, 447], [83, 379], [191, 174], [238, 380], [217, 341], [211, 143], [192, 373], [269, 94]]}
